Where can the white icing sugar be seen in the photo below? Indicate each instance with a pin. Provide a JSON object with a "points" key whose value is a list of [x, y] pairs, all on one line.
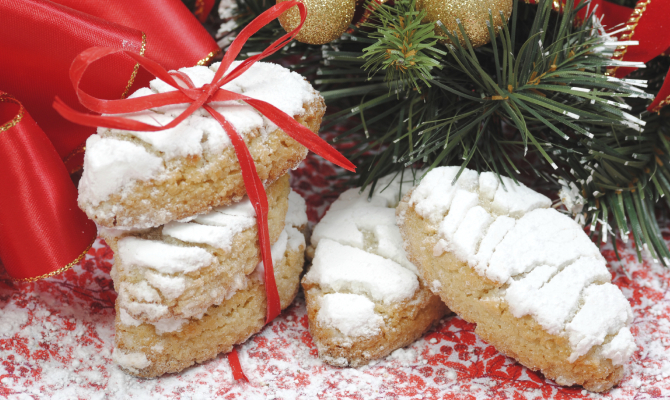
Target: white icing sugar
{"points": [[516, 200], [271, 83], [151, 311], [605, 312], [353, 315], [297, 210], [140, 291], [463, 201], [131, 361], [112, 164], [171, 287], [180, 141], [553, 299], [163, 257], [127, 319], [488, 184], [469, 234], [541, 237], [277, 251], [432, 198], [219, 236], [295, 238], [217, 138], [495, 234], [554, 273], [166, 325], [368, 223], [620, 348], [344, 268]]}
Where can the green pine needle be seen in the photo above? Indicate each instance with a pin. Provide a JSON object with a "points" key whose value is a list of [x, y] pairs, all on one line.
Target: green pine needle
{"points": [[404, 46]]}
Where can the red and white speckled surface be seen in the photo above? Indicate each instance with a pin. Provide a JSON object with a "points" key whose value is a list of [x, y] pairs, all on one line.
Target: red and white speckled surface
{"points": [[56, 339]]}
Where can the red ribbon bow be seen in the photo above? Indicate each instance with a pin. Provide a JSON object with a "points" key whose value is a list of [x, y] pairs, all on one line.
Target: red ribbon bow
{"points": [[201, 97]]}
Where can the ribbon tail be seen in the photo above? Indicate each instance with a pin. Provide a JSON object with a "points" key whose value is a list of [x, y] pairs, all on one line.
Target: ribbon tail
{"points": [[235, 365], [301, 134], [258, 197]]}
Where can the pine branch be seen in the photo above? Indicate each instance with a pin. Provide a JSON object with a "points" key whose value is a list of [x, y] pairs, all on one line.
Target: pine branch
{"points": [[403, 46]]}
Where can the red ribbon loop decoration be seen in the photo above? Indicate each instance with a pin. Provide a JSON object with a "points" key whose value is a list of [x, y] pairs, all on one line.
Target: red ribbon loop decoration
{"points": [[202, 9], [200, 97], [42, 231]]}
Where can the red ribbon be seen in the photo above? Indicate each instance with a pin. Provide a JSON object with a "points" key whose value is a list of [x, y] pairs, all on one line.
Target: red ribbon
{"points": [[234, 362], [203, 8], [201, 97], [39, 39], [42, 231]]}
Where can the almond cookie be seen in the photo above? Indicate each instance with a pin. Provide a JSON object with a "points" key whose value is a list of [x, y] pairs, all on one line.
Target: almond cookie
{"points": [[180, 269], [364, 298], [528, 276], [147, 179], [150, 349]]}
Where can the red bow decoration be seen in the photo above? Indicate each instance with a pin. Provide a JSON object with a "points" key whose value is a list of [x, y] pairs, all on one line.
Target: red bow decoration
{"points": [[51, 232], [648, 23], [203, 8], [39, 39], [201, 97]]}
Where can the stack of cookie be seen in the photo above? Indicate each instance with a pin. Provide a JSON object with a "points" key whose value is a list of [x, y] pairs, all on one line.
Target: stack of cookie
{"points": [[172, 206]]}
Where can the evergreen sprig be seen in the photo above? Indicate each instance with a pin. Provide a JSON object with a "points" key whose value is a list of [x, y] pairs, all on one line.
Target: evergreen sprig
{"points": [[404, 47], [624, 175], [535, 102]]}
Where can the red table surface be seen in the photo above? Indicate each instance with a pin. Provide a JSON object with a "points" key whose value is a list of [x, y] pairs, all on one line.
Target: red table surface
{"points": [[56, 340]]}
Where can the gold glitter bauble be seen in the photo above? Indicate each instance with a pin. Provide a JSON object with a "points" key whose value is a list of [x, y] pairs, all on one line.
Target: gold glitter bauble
{"points": [[326, 20], [473, 15]]}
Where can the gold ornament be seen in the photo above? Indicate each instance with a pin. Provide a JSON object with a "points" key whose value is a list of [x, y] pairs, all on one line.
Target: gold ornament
{"points": [[473, 15], [326, 20]]}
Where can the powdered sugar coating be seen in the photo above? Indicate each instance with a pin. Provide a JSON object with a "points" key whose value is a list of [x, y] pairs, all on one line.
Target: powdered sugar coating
{"points": [[297, 210], [545, 264], [110, 166], [368, 222], [163, 265], [352, 314], [341, 268], [162, 257], [359, 250], [217, 228]]}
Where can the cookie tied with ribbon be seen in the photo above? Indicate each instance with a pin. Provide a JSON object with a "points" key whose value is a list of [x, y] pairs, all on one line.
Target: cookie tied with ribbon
{"points": [[206, 99]]}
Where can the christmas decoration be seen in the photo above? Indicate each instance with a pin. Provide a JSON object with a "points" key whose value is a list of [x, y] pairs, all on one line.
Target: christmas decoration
{"points": [[201, 97], [326, 20], [42, 232], [467, 18], [540, 102]]}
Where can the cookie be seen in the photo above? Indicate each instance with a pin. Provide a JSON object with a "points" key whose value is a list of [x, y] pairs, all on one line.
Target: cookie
{"points": [[147, 179], [528, 276], [364, 298], [151, 349], [179, 270]]}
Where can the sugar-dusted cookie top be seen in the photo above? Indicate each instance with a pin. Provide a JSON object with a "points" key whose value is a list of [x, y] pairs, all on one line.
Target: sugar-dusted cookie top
{"points": [[115, 159], [359, 258], [544, 263]]}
